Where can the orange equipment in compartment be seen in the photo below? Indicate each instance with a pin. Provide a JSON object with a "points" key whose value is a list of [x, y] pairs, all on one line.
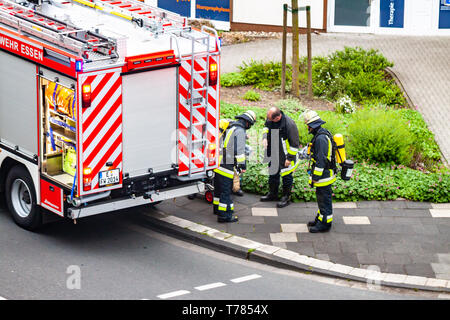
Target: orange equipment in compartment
{"points": [[62, 97]]}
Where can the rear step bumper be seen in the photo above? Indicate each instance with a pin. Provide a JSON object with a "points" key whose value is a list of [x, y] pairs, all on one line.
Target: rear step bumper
{"points": [[128, 202]]}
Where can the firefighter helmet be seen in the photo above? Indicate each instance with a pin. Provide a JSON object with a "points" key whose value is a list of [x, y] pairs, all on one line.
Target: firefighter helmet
{"points": [[248, 116], [312, 119]]}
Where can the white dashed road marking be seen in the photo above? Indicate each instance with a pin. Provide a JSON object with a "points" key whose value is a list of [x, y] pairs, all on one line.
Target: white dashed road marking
{"points": [[173, 294], [207, 286], [246, 278], [210, 286]]}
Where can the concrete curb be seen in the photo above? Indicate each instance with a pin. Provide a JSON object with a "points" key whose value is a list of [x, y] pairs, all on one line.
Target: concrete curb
{"points": [[252, 250]]}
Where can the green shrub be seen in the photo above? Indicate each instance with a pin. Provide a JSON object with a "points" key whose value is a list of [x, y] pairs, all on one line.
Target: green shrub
{"points": [[264, 76], [424, 143], [357, 73], [368, 182], [251, 95], [290, 105], [232, 79], [380, 136]]}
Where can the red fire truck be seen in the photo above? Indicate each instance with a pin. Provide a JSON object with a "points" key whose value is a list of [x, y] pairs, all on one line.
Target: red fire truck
{"points": [[104, 105]]}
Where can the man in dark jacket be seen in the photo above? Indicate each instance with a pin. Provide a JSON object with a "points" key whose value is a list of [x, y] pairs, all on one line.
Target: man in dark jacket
{"points": [[232, 157], [281, 140], [321, 171]]}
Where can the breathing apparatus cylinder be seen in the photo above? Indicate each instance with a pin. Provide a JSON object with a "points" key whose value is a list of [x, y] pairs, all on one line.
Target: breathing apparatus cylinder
{"points": [[346, 164], [340, 151]]}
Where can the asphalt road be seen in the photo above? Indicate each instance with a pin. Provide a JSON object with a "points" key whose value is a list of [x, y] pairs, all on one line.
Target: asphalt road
{"points": [[119, 256]]}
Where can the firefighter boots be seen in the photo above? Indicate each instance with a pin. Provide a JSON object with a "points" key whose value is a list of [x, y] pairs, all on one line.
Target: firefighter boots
{"points": [[320, 227], [285, 199], [272, 195]]}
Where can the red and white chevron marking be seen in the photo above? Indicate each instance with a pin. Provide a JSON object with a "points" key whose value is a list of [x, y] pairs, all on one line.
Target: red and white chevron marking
{"points": [[101, 127], [198, 118]]}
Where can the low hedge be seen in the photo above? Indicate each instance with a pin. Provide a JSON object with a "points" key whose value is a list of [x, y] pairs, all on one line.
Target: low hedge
{"points": [[369, 182]]}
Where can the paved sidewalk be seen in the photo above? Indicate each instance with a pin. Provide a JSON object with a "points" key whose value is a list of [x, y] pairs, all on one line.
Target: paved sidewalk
{"points": [[396, 237], [420, 63]]}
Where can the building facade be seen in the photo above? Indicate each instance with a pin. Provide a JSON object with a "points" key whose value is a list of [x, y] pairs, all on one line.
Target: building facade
{"points": [[408, 17]]}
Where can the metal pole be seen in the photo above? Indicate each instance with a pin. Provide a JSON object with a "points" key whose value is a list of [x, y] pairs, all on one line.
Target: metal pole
{"points": [[308, 41], [295, 49], [283, 59]]}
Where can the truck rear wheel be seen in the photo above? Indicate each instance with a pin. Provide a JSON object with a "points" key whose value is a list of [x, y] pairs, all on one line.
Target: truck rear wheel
{"points": [[21, 199]]}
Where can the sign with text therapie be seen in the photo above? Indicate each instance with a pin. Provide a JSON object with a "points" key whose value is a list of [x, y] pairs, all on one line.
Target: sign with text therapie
{"points": [[213, 10], [392, 13], [21, 48], [182, 7]]}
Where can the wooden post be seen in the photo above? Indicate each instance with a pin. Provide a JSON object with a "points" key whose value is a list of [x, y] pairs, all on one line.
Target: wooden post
{"points": [[283, 58], [295, 49], [308, 41]]}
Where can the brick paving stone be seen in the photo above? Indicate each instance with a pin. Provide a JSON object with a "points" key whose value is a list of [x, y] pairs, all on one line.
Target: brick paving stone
{"points": [[238, 228], [368, 204], [306, 248], [370, 258], [441, 268], [417, 205], [264, 212], [383, 220], [397, 258], [420, 269], [348, 259], [268, 228], [322, 256], [251, 219], [259, 237], [440, 213], [444, 257], [345, 212], [294, 227], [283, 237], [425, 213], [326, 247], [393, 204], [351, 247], [393, 268], [392, 213], [370, 212], [359, 220]]}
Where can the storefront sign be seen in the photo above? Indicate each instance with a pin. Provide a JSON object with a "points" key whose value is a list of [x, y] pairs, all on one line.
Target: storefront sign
{"points": [[444, 14], [213, 9], [392, 13], [182, 7]]}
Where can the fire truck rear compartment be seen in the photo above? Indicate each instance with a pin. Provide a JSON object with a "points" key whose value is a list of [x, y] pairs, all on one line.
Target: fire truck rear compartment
{"points": [[149, 122], [58, 130]]}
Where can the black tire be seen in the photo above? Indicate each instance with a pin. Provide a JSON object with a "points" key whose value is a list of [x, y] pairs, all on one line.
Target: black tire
{"points": [[21, 199]]}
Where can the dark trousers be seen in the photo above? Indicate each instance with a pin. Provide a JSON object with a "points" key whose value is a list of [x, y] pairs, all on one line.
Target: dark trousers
{"points": [[223, 203], [274, 181], [324, 201]]}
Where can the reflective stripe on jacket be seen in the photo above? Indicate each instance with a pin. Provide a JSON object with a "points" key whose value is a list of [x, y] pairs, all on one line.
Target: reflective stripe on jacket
{"points": [[321, 153]]}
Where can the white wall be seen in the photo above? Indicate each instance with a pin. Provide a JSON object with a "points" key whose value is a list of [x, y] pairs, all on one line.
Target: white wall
{"points": [[270, 12]]}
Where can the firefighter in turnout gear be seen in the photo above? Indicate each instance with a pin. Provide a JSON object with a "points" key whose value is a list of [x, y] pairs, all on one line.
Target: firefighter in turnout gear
{"points": [[232, 157], [322, 171], [281, 140]]}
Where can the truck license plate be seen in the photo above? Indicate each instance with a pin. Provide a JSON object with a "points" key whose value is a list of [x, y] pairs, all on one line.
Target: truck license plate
{"points": [[109, 177]]}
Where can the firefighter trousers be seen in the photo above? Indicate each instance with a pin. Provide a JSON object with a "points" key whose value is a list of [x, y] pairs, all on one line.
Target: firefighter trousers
{"points": [[324, 202], [274, 181], [222, 202]]}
